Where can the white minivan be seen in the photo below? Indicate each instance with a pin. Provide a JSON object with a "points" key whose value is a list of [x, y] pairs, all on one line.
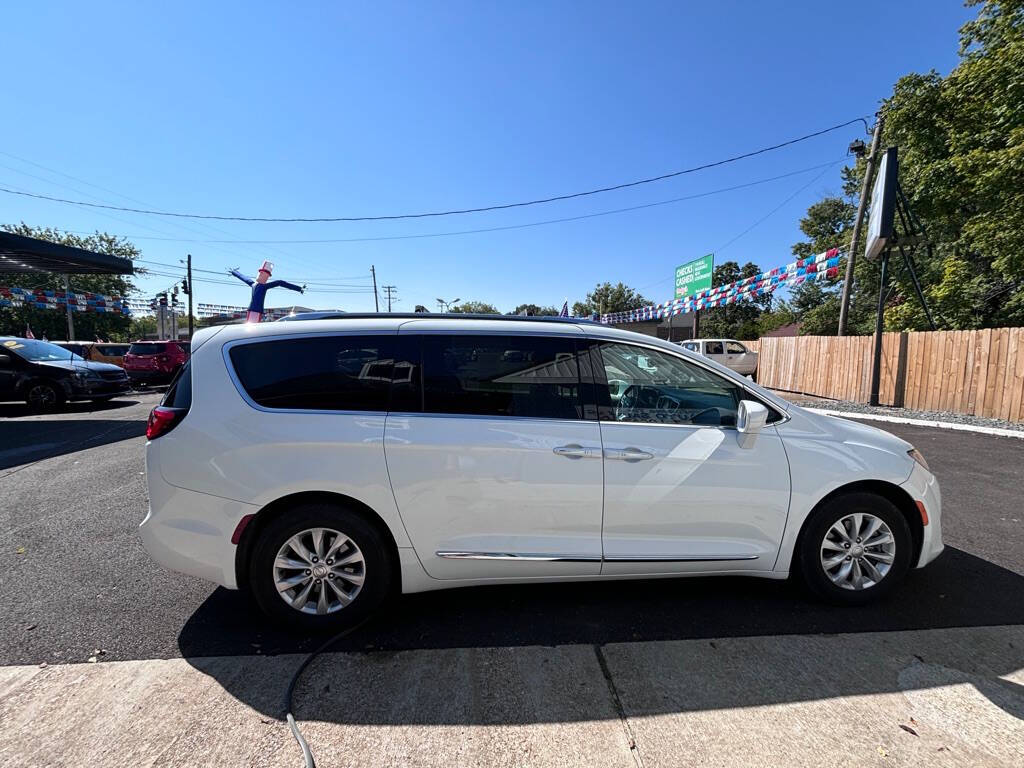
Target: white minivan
{"points": [[326, 464]]}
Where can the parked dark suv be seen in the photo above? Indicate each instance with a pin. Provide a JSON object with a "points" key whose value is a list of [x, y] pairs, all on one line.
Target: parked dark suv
{"points": [[45, 375], [155, 362]]}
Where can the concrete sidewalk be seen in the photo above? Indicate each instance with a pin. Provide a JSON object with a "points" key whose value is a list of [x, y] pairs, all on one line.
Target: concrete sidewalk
{"points": [[940, 697]]}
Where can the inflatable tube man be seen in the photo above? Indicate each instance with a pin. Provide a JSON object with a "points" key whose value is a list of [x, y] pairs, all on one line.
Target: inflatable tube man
{"points": [[260, 286]]}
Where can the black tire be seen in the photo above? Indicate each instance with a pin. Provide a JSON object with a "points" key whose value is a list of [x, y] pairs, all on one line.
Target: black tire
{"points": [[809, 548], [43, 396], [377, 569]]}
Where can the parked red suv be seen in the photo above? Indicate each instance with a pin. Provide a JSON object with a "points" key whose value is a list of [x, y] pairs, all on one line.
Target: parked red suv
{"points": [[155, 362]]}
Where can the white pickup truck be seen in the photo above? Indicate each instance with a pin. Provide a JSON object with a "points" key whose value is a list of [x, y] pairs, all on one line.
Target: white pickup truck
{"points": [[728, 352]]}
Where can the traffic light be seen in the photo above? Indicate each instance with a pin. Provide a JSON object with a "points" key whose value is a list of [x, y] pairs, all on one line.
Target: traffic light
{"points": [[162, 298], [184, 286]]}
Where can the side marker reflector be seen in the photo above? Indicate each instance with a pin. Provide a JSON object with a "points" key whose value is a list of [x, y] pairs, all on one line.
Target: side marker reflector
{"points": [[240, 528], [923, 511]]}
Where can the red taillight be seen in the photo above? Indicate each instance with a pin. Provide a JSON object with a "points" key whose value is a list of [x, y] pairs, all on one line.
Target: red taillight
{"points": [[162, 420]]}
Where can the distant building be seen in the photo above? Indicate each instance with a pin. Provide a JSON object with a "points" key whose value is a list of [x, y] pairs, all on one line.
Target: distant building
{"points": [[790, 329]]}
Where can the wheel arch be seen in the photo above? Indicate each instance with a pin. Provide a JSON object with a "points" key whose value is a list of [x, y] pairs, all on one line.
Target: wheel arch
{"points": [[279, 507], [889, 491]]}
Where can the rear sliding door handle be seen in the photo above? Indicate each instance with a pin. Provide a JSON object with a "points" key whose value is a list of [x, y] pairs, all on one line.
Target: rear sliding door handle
{"points": [[627, 454], [573, 451]]}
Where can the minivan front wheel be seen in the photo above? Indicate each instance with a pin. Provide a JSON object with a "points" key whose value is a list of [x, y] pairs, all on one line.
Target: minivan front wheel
{"points": [[855, 549], [320, 567]]}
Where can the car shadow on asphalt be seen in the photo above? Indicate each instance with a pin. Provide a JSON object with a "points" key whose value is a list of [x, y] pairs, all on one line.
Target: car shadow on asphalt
{"points": [[29, 440], [958, 591]]}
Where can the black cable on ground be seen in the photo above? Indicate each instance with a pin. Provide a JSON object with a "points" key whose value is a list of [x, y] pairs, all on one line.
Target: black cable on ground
{"points": [[307, 753]]}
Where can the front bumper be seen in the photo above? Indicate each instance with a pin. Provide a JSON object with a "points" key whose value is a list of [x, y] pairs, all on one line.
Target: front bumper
{"points": [[922, 486], [190, 532], [101, 388]]}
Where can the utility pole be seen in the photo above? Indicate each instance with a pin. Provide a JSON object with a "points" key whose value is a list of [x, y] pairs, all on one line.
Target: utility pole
{"points": [[869, 172], [389, 291], [188, 290], [67, 303], [376, 301]]}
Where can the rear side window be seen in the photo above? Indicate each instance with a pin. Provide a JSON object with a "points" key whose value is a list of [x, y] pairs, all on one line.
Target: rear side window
{"points": [[527, 376], [330, 373], [179, 393]]}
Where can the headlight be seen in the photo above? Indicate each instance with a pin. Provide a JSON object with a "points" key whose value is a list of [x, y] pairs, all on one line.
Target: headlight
{"points": [[916, 456]]}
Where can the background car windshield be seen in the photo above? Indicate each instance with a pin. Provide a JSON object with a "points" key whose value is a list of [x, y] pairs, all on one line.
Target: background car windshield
{"points": [[39, 351]]}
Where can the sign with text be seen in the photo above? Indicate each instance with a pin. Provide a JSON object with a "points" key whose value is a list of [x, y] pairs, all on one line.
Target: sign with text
{"points": [[694, 276]]}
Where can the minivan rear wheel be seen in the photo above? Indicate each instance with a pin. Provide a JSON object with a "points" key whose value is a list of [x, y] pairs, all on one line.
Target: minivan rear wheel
{"points": [[320, 567], [855, 549]]}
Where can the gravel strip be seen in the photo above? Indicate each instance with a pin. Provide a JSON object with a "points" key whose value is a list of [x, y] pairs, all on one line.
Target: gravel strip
{"points": [[906, 413]]}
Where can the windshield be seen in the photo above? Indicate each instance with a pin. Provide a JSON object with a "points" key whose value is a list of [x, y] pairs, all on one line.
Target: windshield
{"points": [[39, 351]]}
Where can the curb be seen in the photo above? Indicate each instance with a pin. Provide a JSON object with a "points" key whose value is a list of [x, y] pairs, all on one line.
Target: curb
{"points": [[997, 431]]}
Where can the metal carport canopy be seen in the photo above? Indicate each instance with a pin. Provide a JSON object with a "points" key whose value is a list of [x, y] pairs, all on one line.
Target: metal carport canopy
{"points": [[27, 254]]}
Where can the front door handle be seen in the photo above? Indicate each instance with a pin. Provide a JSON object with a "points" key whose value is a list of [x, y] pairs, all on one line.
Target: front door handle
{"points": [[627, 454], [574, 451]]}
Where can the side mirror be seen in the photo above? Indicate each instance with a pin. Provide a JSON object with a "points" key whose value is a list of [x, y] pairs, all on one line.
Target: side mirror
{"points": [[750, 420]]}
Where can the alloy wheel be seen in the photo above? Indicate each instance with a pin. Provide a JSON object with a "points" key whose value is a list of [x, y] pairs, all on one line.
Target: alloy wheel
{"points": [[42, 395], [858, 550], [319, 571]]}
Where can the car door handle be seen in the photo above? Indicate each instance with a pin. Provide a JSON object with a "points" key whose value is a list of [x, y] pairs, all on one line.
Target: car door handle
{"points": [[627, 454], [574, 451]]}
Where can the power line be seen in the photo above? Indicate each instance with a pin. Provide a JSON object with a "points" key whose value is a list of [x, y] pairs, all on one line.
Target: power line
{"points": [[431, 214], [759, 221], [527, 225]]}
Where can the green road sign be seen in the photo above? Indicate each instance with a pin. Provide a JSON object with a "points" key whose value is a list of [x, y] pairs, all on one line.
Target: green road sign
{"points": [[694, 276]]}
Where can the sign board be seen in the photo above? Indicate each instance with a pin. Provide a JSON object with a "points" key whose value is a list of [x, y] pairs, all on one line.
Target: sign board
{"points": [[694, 276], [883, 206]]}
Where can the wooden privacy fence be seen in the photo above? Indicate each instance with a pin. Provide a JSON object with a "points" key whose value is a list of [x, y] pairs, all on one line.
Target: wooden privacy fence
{"points": [[976, 372]]}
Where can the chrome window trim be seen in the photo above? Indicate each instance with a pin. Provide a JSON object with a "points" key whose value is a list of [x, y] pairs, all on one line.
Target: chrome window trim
{"points": [[484, 417], [562, 558]]}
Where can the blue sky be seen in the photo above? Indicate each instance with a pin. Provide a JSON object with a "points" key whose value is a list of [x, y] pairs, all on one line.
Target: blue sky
{"points": [[339, 109]]}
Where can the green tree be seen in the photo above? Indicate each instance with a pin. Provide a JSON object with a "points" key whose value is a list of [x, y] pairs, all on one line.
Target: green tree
{"points": [[607, 298], [475, 308], [739, 320], [53, 324], [534, 309]]}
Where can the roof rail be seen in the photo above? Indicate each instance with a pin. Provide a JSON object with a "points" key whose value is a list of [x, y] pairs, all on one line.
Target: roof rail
{"points": [[451, 316]]}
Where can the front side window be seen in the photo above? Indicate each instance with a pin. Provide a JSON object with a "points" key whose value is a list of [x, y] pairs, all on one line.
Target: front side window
{"points": [[713, 348], [324, 373], [734, 348], [649, 386], [692, 347], [526, 376]]}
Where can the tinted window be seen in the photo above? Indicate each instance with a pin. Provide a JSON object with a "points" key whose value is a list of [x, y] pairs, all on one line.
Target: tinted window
{"points": [[112, 350], [179, 393], [649, 386], [734, 348], [332, 373], [144, 350], [534, 376], [713, 348]]}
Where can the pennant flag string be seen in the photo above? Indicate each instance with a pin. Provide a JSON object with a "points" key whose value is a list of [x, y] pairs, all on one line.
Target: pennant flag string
{"points": [[823, 266], [47, 299]]}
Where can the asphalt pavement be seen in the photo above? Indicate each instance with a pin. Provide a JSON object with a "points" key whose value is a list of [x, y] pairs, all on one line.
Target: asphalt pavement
{"points": [[714, 671], [74, 577]]}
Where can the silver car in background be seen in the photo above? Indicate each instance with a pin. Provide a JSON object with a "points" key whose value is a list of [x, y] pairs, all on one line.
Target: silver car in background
{"points": [[728, 352]]}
